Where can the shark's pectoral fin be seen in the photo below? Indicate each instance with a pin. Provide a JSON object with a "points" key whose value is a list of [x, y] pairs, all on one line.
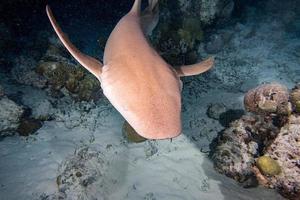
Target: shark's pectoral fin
{"points": [[195, 69], [90, 63]]}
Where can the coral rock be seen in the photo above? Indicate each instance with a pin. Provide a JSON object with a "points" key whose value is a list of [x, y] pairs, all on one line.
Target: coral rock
{"points": [[285, 149], [268, 99], [238, 146], [10, 115]]}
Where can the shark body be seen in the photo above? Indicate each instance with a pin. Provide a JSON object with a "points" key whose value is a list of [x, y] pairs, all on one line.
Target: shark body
{"points": [[137, 81]]}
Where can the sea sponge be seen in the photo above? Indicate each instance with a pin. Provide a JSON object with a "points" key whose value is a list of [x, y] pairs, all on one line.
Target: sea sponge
{"points": [[268, 166], [130, 134], [268, 99]]}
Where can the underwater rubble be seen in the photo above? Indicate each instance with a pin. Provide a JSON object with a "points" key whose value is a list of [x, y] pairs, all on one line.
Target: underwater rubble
{"points": [[263, 146]]}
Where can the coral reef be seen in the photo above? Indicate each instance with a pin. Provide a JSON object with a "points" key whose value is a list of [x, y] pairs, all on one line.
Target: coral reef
{"points": [[285, 149], [240, 144], [62, 74], [257, 146], [177, 38], [10, 116]]}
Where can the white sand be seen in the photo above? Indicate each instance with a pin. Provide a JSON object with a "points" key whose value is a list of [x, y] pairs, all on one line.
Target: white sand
{"points": [[178, 170]]}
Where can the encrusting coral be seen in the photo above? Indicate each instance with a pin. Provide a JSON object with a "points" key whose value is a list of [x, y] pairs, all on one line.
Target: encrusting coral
{"points": [[257, 146]]}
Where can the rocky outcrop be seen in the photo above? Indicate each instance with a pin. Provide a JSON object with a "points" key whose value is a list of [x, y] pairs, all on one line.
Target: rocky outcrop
{"points": [[257, 146], [10, 115], [285, 149], [268, 99], [240, 144]]}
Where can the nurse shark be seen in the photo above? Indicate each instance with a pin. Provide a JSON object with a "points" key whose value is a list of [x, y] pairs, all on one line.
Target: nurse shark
{"points": [[136, 80]]}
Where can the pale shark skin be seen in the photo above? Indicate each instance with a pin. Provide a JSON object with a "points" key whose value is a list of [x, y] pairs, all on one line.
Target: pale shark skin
{"points": [[136, 80]]}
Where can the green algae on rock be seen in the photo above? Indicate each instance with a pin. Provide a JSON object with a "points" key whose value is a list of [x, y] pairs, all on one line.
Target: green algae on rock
{"points": [[130, 134]]}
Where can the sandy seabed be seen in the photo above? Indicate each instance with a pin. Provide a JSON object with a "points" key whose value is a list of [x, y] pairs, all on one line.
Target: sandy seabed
{"points": [[259, 50]]}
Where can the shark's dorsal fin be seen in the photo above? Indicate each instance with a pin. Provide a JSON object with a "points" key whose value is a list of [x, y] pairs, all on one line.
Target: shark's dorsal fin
{"points": [[136, 8], [195, 69], [91, 64], [150, 17]]}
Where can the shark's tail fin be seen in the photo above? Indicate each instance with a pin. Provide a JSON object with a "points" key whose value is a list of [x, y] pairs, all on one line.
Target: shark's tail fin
{"points": [[150, 17], [90, 63], [195, 69]]}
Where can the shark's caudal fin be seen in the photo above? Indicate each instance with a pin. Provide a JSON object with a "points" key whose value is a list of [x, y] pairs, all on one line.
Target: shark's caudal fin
{"points": [[195, 69], [90, 63], [150, 17]]}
